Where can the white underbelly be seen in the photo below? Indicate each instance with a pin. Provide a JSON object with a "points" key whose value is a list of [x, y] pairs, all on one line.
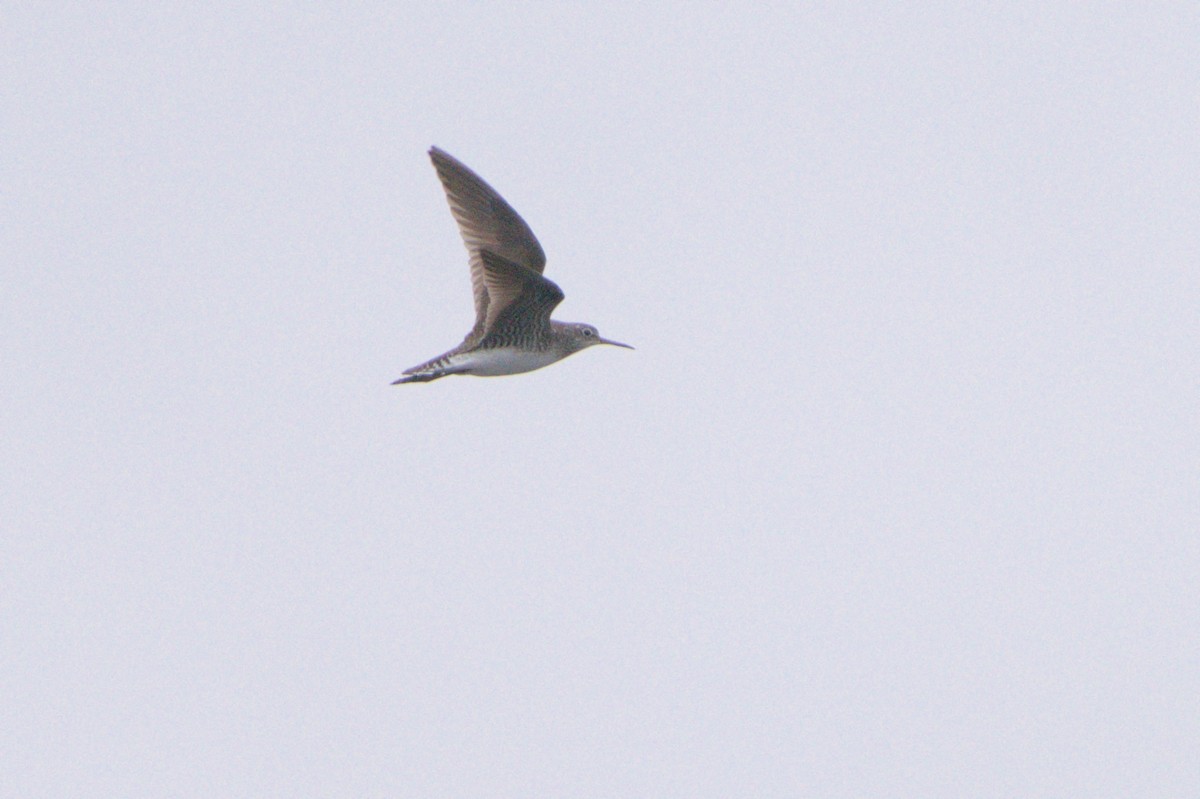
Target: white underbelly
{"points": [[502, 361]]}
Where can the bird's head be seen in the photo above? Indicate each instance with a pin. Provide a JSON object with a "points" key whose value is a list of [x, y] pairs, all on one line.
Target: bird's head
{"points": [[581, 336]]}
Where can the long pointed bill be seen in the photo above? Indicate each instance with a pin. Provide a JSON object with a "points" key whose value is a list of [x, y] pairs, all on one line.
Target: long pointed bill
{"points": [[615, 343]]}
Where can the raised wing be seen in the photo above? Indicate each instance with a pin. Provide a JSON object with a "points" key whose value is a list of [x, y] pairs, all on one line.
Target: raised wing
{"points": [[486, 222], [520, 300]]}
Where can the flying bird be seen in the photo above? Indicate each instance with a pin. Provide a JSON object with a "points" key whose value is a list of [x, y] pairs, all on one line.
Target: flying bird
{"points": [[513, 331]]}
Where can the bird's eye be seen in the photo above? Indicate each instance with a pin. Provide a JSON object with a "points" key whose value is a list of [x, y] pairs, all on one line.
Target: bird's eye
{"points": [[588, 332]]}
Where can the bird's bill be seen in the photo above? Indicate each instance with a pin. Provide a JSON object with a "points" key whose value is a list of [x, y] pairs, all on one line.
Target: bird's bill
{"points": [[615, 343]]}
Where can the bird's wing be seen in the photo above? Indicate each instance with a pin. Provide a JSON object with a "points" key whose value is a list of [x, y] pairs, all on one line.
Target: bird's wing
{"points": [[520, 300], [486, 222]]}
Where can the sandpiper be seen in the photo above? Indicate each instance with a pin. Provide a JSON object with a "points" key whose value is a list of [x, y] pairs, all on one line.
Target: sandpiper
{"points": [[513, 331]]}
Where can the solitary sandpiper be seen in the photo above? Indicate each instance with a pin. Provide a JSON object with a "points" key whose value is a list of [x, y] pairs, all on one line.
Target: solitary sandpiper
{"points": [[513, 331]]}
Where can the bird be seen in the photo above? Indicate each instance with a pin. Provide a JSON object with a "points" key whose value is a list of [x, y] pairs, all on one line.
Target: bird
{"points": [[513, 331]]}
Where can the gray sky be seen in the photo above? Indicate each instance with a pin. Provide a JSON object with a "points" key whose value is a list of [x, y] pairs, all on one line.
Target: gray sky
{"points": [[898, 496]]}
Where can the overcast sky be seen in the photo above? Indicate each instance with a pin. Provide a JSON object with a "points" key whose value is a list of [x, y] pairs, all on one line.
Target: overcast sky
{"points": [[898, 495]]}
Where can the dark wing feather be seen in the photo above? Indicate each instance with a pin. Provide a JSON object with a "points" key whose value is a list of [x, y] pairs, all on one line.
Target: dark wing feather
{"points": [[486, 222], [520, 300]]}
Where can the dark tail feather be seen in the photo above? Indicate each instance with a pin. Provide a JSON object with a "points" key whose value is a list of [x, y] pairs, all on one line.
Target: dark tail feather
{"points": [[422, 377]]}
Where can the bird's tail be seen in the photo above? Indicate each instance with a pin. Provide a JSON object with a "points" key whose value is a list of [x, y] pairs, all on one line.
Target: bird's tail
{"points": [[423, 377]]}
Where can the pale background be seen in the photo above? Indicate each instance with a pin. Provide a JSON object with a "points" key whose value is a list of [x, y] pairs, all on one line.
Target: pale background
{"points": [[898, 496]]}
